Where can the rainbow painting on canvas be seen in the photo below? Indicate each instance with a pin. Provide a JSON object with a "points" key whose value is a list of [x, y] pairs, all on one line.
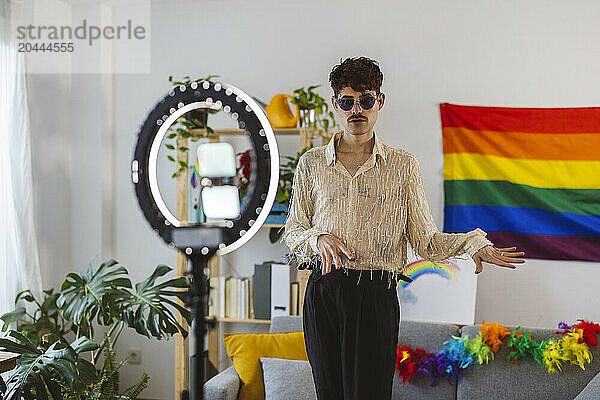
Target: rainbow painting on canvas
{"points": [[445, 269]]}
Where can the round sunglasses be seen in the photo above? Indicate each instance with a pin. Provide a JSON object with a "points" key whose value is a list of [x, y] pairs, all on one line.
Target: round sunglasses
{"points": [[365, 102]]}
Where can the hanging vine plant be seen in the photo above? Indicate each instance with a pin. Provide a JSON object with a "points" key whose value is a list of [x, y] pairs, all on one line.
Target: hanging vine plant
{"points": [[180, 130]]}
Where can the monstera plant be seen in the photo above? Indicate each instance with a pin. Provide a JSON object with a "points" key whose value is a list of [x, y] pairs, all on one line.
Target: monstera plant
{"points": [[55, 337], [44, 374], [44, 320]]}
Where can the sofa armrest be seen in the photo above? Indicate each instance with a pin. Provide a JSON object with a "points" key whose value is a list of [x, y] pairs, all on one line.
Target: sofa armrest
{"points": [[223, 386], [591, 391]]}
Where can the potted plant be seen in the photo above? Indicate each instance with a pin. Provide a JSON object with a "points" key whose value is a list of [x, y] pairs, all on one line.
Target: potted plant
{"points": [[180, 130], [56, 334], [286, 177], [280, 208], [314, 111]]}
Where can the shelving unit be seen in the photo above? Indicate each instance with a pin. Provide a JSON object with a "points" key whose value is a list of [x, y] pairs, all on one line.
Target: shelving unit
{"points": [[273, 226], [306, 139], [245, 320]]}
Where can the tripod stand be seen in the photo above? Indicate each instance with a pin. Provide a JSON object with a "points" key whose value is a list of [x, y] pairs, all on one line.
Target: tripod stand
{"points": [[198, 301]]}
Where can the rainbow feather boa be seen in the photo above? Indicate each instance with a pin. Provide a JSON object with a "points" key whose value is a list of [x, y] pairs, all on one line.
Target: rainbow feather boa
{"points": [[460, 354]]}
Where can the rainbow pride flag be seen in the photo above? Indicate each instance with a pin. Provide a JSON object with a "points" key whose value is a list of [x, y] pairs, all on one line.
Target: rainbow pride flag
{"points": [[530, 177]]}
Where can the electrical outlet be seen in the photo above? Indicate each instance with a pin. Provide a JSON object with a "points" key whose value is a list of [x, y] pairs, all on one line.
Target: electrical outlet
{"points": [[134, 356]]}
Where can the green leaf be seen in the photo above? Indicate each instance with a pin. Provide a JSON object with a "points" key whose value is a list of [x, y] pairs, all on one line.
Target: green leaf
{"points": [[25, 295], [84, 344], [150, 309], [49, 306], [83, 295], [41, 372], [187, 124], [171, 135], [86, 370], [105, 384], [183, 148], [43, 322], [12, 317], [134, 391], [169, 146], [171, 158], [309, 100]]}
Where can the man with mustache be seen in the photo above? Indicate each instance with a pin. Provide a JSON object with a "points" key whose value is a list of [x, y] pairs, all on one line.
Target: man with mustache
{"points": [[356, 204]]}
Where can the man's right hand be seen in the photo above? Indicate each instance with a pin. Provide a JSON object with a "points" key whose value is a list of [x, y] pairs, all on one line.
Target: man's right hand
{"points": [[330, 248]]}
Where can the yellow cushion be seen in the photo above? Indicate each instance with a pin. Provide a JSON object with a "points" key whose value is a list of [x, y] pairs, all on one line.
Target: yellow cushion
{"points": [[245, 350]]}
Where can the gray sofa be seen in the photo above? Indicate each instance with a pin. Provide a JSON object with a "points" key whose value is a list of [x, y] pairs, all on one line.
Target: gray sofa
{"points": [[500, 379]]}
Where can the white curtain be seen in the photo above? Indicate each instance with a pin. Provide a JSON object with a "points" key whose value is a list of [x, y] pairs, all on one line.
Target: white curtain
{"points": [[19, 260]]}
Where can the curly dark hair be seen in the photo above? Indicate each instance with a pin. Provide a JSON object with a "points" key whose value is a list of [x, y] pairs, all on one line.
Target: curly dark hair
{"points": [[360, 73]]}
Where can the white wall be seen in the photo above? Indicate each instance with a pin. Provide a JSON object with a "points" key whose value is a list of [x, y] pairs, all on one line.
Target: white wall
{"points": [[50, 116], [513, 53]]}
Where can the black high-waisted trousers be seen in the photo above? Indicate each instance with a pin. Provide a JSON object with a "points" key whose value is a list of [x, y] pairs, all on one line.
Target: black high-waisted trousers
{"points": [[351, 333]]}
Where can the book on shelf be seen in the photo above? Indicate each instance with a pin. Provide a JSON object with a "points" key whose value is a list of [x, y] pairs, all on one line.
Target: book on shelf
{"points": [[216, 301], [227, 297], [302, 282], [212, 296], [221, 297], [244, 299], [234, 298], [238, 302], [267, 293], [251, 297], [294, 298]]}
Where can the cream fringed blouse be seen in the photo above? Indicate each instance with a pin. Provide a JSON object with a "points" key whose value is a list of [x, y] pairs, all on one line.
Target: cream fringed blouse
{"points": [[374, 213]]}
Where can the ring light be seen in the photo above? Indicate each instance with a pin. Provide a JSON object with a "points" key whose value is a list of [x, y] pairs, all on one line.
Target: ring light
{"points": [[201, 241], [249, 117]]}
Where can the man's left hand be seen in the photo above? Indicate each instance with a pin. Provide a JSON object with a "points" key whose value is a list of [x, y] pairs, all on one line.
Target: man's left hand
{"points": [[503, 257]]}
